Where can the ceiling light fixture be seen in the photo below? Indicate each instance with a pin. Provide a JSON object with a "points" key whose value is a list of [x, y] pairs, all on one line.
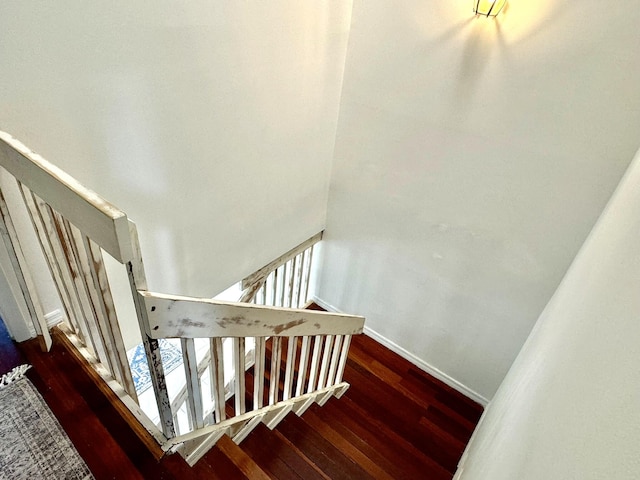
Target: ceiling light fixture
{"points": [[488, 8]]}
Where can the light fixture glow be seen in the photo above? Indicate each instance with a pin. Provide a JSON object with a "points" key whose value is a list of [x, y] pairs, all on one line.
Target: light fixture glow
{"points": [[488, 8]]}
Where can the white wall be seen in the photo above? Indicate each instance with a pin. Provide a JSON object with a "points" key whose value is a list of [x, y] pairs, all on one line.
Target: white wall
{"points": [[211, 124], [472, 159], [568, 409]]}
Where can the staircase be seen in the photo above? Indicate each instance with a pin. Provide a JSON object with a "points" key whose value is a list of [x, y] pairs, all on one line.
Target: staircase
{"points": [[297, 359], [394, 421]]}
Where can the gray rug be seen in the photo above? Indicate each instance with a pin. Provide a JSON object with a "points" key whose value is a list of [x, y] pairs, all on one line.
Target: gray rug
{"points": [[32, 442]]}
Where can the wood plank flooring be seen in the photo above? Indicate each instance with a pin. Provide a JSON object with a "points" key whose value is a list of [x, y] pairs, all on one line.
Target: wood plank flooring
{"points": [[395, 422]]}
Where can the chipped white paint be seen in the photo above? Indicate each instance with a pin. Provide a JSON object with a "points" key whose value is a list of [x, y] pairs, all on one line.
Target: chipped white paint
{"points": [[292, 344], [324, 365], [284, 282], [302, 367], [189, 317], [343, 358], [105, 301], [193, 450], [315, 359], [91, 267], [138, 280], [262, 273], [55, 202], [194, 393], [217, 378], [258, 369], [35, 209], [239, 369], [274, 372], [335, 356], [113, 384], [103, 222]]}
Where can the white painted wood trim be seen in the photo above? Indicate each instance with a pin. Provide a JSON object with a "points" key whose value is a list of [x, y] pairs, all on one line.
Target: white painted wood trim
{"points": [[324, 365], [430, 369], [35, 211], [173, 316], [262, 273], [172, 442], [315, 360], [101, 281], [272, 419], [239, 370], [138, 281], [96, 322], [50, 238], [54, 317], [247, 428], [302, 407], [196, 449], [194, 393], [114, 385], [259, 367], [344, 354], [292, 282], [86, 313], [335, 357], [418, 362], [274, 371], [101, 221], [303, 363], [292, 344], [217, 378]]}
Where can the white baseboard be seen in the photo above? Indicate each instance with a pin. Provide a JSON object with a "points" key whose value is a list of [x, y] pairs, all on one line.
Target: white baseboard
{"points": [[54, 317], [418, 362], [430, 369], [327, 306]]}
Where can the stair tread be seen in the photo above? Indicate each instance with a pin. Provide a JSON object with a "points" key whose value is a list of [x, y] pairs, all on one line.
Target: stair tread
{"points": [[393, 453], [277, 457], [234, 461]]}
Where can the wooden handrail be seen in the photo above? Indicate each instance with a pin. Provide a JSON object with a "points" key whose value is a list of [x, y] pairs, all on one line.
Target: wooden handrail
{"points": [[261, 274], [173, 316], [104, 223]]}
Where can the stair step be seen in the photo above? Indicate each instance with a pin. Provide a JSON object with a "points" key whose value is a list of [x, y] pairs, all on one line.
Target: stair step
{"points": [[379, 442], [403, 414], [278, 457], [346, 445], [322, 452], [231, 461]]}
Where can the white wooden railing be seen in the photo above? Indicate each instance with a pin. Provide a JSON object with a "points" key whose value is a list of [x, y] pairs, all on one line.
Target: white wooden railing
{"points": [[296, 356], [282, 282]]}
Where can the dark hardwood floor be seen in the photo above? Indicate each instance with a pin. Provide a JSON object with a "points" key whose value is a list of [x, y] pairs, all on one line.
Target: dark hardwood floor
{"points": [[395, 422]]}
